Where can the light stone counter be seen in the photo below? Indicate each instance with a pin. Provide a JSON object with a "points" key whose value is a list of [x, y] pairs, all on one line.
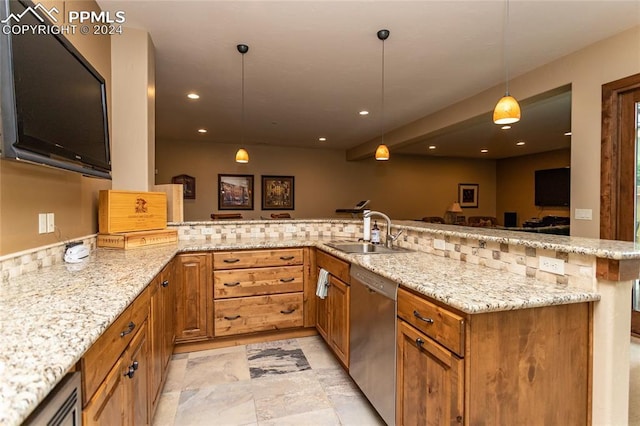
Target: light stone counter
{"points": [[50, 317]]}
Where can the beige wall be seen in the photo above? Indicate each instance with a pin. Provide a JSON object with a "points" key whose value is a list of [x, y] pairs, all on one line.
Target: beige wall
{"points": [[404, 187], [586, 70], [26, 190], [515, 184]]}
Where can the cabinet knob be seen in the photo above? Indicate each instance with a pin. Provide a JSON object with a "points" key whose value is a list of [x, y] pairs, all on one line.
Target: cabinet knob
{"points": [[135, 365], [165, 283], [130, 373], [421, 318], [129, 329], [419, 342]]}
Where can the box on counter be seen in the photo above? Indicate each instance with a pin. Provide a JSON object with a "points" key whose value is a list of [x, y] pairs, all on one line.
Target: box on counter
{"points": [[129, 211], [129, 240]]}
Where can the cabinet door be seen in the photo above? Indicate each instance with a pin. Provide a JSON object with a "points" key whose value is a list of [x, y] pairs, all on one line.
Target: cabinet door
{"points": [[168, 287], [339, 319], [156, 335], [322, 315], [193, 296], [138, 400], [430, 381], [107, 405]]}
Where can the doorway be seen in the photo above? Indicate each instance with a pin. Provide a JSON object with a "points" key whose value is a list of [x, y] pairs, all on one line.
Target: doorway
{"points": [[620, 170]]}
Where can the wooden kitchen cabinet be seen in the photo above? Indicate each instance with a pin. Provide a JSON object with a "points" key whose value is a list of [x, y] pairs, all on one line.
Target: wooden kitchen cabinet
{"points": [[162, 329], [527, 366], [258, 290], [332, 312], [115, 371], [194, 296]]}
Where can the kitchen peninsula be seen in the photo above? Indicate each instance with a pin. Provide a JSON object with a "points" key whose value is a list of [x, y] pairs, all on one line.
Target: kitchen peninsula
{"points": [[53, 315]]}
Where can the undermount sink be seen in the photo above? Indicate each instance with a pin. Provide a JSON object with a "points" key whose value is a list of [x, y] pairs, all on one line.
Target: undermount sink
{"points": [[365, 248]]}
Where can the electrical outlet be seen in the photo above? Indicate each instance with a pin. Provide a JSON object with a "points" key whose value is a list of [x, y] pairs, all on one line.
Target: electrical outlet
{"points": [[439, 244], [51, 223], [549, 264], [42, 223], [206, 231]]}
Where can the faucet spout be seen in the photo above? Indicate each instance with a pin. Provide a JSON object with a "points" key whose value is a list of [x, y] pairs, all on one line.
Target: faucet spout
{"points": [[390, 238]]}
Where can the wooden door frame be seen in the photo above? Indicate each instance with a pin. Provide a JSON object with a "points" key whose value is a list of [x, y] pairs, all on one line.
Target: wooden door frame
{"points": [[615, 169], [610, 151]]}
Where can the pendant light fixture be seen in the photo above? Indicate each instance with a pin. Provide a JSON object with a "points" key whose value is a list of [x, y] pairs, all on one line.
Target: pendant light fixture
{"points": [[507, 110], [382, 152], [242, 156]]}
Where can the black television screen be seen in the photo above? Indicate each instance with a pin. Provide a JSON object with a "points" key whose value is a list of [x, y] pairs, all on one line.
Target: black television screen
{"points": [[553, 187], [53, 101]]}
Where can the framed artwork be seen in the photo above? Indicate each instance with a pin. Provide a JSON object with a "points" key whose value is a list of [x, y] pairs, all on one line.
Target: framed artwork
{"points": [[468, 194], [277, 192], [235, 192], [188, 186]]}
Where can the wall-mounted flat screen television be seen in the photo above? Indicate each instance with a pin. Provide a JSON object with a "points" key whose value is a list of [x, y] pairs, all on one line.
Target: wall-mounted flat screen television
{"points": [[553, 187], [54, 109]]}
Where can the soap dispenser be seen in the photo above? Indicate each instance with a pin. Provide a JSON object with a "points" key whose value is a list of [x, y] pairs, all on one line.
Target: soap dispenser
{"points": [[375, 233]]}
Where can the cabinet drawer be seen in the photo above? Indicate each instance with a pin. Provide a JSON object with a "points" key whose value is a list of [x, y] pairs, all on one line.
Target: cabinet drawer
{"points": [[258, 313], [104, 353], [336, 267], [443, 326], [257, 258], [255, 282]]}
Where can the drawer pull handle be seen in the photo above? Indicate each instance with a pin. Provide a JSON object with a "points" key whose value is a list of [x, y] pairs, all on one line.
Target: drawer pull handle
{"points": [[287, 257], [165, 283], [290, 311], [231, 260], [231, 284], [129, 329], [287, 280], [421, 318], [419, 342], [232, 318]]}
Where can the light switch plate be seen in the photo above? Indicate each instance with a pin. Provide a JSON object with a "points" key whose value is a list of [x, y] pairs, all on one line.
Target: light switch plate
{"points": [[42, 223], [439, 244], [550, 264], [583, 214], [51, 223]]}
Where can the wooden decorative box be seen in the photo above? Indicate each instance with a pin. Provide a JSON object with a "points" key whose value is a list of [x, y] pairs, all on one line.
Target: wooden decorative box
{"points": [[129, 240], [128, 211]]}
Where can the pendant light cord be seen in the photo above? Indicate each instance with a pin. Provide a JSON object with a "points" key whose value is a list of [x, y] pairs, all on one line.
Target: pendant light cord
{"points": [[382, 97], [242, 105], [506, 49]]}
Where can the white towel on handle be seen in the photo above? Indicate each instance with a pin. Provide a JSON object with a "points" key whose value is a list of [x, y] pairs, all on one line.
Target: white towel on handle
{"points": [[323, 283]]}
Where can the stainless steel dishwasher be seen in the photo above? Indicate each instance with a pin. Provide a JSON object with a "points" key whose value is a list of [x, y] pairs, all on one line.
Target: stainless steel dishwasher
{"points": [[372, 359]]}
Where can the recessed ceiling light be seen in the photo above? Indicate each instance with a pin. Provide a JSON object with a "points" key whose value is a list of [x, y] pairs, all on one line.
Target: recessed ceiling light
{"points": [[520, 143], [568, 134], [193, 96], [505, 127], [364, 113], [202, 130], [432, 147], [484, 151], [322, 139]]}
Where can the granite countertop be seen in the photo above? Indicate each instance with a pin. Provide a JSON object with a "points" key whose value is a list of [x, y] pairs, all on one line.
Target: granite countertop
{"points": [[52, 316]]}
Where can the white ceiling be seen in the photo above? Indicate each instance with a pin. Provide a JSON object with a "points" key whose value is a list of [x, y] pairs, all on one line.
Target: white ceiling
{"points": [[312, 65]]}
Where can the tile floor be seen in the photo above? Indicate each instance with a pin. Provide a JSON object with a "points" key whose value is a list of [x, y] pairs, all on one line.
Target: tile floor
{"points": [[287, 382]]}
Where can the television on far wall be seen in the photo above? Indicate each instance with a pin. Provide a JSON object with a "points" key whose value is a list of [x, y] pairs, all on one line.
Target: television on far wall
{"points": [[553, 187]]}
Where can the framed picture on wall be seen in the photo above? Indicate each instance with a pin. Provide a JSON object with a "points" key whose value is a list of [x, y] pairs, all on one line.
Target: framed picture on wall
{"points": [[277, 192], [188, 186], [468, 194], [235, 192]]}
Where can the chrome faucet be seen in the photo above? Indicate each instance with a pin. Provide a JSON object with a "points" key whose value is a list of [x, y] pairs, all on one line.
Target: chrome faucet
{"points": [[390, 238]]}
